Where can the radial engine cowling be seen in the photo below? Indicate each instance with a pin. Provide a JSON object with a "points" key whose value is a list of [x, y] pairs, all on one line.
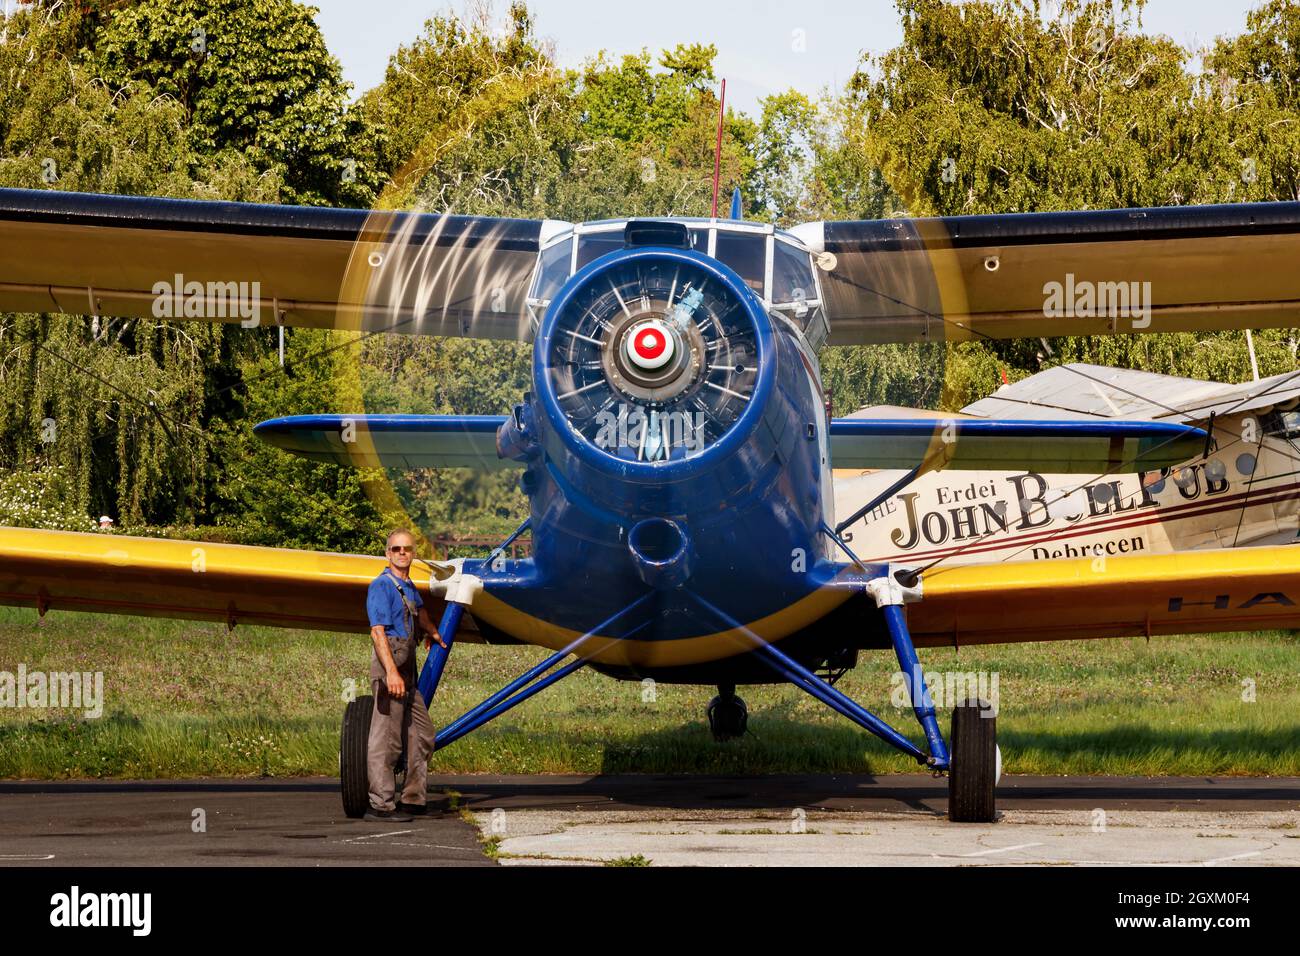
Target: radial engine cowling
{"points": [[654, 372]]}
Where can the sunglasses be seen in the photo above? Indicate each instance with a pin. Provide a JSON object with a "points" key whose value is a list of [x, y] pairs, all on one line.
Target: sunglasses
{"points": [[403, 548]]}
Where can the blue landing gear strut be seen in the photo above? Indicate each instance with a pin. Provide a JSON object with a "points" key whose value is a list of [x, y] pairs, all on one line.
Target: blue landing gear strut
{"points": [[889, 595], [459, 590], [829, 695], [431, 672], [973, 765], [523, 686]]}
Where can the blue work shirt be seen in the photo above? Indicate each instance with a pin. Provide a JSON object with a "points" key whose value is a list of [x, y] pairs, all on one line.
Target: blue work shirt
{"points": [[384, 604]]}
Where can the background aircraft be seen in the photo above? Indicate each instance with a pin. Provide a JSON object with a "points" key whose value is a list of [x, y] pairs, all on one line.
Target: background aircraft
{"points": [[1243, 493], [676, 446]]}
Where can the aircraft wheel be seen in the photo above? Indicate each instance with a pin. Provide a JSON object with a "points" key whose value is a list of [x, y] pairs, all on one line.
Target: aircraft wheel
{"points": [[728, 716], [353, 741], [976, 764]]}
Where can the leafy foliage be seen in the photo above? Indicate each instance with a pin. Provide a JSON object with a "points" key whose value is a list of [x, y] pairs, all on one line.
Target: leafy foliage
{"points": [[41, 498], [252, 78]]}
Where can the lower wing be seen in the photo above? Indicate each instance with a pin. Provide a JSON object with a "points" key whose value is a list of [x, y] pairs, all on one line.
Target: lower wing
{"points": [[1058, 447], [194, 580], [1190, 592]]}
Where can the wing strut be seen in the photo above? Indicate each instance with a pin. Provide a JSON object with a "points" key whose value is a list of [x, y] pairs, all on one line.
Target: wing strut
{"points": [[527, 684], [936, 459], [973, 765]]}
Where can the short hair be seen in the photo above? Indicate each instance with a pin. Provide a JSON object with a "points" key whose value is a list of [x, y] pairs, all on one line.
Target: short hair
{"points": [[388, 542]]}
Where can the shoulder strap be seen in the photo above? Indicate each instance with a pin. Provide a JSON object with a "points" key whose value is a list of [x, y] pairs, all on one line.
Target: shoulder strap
{"points": [[407, 603]]}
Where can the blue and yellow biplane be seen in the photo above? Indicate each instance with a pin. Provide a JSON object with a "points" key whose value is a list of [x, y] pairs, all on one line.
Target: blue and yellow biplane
{"points": [[677, 446]]}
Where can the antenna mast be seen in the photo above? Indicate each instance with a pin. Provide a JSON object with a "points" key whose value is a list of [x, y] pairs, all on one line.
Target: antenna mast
{"points": [[717, 150]]}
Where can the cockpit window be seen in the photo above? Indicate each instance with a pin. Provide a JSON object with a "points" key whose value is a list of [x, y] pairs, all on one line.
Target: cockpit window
{"points": [[596, 244], [746, 255], [554, 270], [792, 278], [1284, 425], [793, 288]]}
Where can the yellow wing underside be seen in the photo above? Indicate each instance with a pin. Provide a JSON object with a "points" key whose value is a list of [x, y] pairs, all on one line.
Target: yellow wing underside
{"points": [[1209, 591], [1189, 592], [194, 580]]}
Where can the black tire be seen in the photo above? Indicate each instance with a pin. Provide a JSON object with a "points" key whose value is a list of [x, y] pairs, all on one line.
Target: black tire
{"points": [[728, 718], [353, 739], [972, 776]]}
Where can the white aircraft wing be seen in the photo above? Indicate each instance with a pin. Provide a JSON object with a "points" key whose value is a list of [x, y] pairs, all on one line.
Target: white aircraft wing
{"points": [[1080, 391]]}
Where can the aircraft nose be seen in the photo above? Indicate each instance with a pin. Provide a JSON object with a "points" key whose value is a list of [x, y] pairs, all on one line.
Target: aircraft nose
{"points": [[650, 345]]}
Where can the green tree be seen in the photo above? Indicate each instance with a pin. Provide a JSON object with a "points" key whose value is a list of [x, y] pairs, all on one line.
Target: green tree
{"points": [[784, 154], [254, 78], [119, 414], [267, 496], [113, 406], [1255, 78]]}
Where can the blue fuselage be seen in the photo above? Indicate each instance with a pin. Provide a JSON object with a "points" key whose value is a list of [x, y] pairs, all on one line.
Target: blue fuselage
{"points": [[743, 518]]}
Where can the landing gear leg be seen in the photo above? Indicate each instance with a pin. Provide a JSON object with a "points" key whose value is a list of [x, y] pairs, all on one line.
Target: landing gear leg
{"points": [[728, 715], [973, 763]]}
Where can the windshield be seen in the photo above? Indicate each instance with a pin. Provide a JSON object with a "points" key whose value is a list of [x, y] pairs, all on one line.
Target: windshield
{"points": [[554, 270], [793, 285]]}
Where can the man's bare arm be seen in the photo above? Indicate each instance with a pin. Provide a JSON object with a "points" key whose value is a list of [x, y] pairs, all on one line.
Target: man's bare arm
{"points": [[396, 686], [430, 629]]}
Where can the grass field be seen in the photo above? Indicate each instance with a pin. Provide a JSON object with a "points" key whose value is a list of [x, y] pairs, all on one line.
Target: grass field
{"points": [[184, 699]]}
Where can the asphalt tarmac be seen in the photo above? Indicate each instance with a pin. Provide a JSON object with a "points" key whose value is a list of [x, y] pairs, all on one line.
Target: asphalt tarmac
{"points": [[297, 822], [300, 821]]}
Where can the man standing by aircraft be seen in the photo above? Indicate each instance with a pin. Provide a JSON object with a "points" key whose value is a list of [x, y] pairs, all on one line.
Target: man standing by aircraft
{"points": [[394, 608]]}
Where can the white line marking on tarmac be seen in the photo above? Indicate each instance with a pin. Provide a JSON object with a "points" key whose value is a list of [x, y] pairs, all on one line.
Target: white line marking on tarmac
{"points": [[376, 836], [26, 856], [1235, 856], [1002, 849], [437, 846]]}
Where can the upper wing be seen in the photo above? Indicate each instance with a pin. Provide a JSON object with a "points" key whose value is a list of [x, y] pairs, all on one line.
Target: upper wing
{"points": [[193, 580], [1211, 591], [391, 441], [90, 254], [1043, 274], [1057, 447]]}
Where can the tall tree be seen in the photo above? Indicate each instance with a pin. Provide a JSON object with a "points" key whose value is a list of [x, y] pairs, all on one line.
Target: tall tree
{"points": [[114, 406], [253, 77], [118, 415]]}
